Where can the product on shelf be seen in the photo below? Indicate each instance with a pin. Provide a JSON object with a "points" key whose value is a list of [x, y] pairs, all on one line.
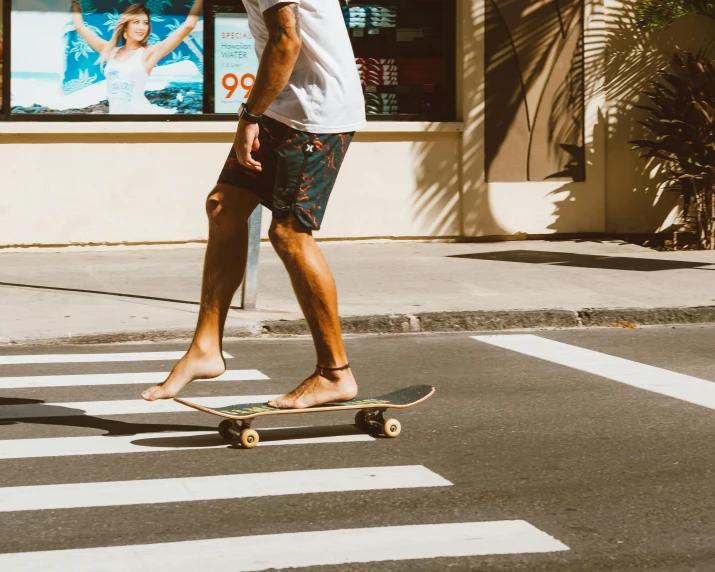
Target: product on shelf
{"points": [[381, 103], [374, 71], [365, 16]]}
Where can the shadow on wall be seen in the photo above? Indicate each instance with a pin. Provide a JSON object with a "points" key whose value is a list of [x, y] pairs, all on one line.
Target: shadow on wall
{"points": [[619, 61], [571, 199], [446, 202], [437, 204], [534, 90], [634, 199]]}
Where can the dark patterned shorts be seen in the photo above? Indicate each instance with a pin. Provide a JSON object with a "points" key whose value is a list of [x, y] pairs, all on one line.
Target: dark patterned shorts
{"points": [[299, 171]]}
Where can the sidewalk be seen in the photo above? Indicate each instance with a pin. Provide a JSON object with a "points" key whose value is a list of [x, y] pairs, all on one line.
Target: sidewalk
{"points": [[107, 294]]}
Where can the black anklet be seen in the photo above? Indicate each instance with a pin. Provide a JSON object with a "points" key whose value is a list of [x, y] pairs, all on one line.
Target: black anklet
{"points": [[321, 369]]}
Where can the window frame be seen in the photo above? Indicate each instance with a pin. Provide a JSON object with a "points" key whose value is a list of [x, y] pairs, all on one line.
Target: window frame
{"points": [[450, 14]]}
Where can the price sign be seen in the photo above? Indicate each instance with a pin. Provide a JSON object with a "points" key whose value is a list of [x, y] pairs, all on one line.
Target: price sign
{"points": [[235, 60]]}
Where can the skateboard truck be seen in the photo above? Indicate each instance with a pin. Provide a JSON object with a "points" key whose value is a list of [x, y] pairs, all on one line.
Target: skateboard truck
{"points": [[373, 421], [230, 428]]}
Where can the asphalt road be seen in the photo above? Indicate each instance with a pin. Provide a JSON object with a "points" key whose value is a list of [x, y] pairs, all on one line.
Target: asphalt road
{"points": [[582, 453]]}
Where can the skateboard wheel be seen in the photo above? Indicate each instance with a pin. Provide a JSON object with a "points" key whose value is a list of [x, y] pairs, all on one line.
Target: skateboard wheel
{"points": [[391, 428], [360, 421], [224, 429], [249, 438]]}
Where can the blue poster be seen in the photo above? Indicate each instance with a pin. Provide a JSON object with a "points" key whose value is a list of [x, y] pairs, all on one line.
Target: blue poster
{"points": [[107, 56]]}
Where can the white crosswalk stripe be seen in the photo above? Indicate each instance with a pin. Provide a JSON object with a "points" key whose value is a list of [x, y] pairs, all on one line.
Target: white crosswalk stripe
{"points": [[119, 407], [299, 550], [152, 442], [125, 493], [94, 358], [647, 377], [90, 379], [294, 549]]}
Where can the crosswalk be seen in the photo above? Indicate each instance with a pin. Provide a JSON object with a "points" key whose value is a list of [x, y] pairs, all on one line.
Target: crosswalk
{"points": [[642, 376], [116, 379], [297, 548]]}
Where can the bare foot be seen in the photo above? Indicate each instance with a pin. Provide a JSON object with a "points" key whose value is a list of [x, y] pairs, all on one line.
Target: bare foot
{"points": [[194, 365], [317, 390]]}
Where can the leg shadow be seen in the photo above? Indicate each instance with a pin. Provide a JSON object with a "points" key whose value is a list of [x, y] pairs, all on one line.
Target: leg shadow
{"points": [[36, 411]]}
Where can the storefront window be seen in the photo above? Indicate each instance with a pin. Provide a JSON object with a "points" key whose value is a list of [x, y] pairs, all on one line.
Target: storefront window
{"points": [[181, 60], [405, 52]]}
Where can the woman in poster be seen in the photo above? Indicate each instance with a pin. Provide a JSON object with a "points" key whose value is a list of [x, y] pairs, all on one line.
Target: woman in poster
{"points": [[128, 57]]}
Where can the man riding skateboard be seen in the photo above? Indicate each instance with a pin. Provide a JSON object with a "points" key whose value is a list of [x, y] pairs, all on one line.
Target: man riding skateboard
{"points": [[293, 134]]}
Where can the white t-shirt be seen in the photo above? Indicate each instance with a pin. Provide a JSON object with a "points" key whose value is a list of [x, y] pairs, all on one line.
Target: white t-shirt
{"points": [[324, 94]]}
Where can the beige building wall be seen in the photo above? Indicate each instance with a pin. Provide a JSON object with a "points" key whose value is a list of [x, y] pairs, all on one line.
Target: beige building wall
{"points": [[102, 182], [85, 183]]}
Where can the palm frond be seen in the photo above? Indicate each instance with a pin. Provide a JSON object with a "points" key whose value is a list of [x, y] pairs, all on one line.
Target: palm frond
{"points": [[659, 14]]}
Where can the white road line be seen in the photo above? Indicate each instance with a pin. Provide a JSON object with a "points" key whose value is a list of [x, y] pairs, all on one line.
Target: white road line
{"points": [[34, 410], [278, 551], [650, 378], [191, 489], [116, 379], [93, 358], [151, 442]]}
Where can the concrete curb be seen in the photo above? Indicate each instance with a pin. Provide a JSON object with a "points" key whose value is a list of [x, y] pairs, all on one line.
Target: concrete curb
{"points": [[437, 322], [500, 320]]}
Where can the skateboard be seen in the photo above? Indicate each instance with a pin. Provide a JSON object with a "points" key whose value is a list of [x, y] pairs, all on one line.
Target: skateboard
{"points": [[369, 417]]}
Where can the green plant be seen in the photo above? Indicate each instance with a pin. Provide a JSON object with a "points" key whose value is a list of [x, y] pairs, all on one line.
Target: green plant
{"points": [[681, 123], [659, 14]]}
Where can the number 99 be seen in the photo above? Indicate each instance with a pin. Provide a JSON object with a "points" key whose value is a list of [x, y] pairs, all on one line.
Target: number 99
{"points": [[230, 82]]}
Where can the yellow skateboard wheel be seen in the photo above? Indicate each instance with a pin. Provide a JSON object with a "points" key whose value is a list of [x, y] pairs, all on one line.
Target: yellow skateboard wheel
{"points": [[391, 428], [249, 438]]}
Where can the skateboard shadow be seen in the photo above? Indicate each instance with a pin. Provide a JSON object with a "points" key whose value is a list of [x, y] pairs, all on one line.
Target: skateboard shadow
{"points": [[37, 412], [267, 435]]}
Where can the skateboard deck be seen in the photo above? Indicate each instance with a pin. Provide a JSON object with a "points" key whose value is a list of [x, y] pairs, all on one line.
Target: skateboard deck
{"points": [[369, 413]]}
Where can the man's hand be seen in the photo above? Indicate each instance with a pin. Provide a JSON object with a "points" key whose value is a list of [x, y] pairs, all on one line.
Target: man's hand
{"points": [[245, 142]]}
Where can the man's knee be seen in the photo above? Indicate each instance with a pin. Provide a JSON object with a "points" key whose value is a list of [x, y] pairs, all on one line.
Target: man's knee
{"points": [[288, 235], [228, 206]]}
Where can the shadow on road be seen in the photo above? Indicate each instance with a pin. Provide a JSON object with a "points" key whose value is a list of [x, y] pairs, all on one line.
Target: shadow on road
{"points": [[12, 411], [267, 435], [585, 260]]}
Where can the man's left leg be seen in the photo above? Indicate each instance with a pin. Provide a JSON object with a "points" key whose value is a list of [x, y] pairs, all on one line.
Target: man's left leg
{"points": [[314, 287]]}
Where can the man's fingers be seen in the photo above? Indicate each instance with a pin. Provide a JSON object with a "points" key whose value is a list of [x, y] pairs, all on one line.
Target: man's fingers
{"points": [[248, 161], [251, 163], [246, 142]]}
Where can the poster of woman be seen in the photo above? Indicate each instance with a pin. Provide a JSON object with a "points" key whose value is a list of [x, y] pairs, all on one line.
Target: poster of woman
{"points": [[116, 57]]}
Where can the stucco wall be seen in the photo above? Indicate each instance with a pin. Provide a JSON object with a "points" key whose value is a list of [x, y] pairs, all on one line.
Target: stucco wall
{"points": [[96, 188]]}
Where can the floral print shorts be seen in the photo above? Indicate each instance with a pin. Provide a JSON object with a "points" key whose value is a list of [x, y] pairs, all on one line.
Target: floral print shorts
{"points": [[299, 170]]}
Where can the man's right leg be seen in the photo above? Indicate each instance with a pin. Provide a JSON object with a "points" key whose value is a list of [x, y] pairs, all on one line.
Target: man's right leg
{"points": [[228, 208]]}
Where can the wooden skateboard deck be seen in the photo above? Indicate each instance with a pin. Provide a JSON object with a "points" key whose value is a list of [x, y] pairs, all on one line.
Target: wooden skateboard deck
{"points": [[369, 417]]}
